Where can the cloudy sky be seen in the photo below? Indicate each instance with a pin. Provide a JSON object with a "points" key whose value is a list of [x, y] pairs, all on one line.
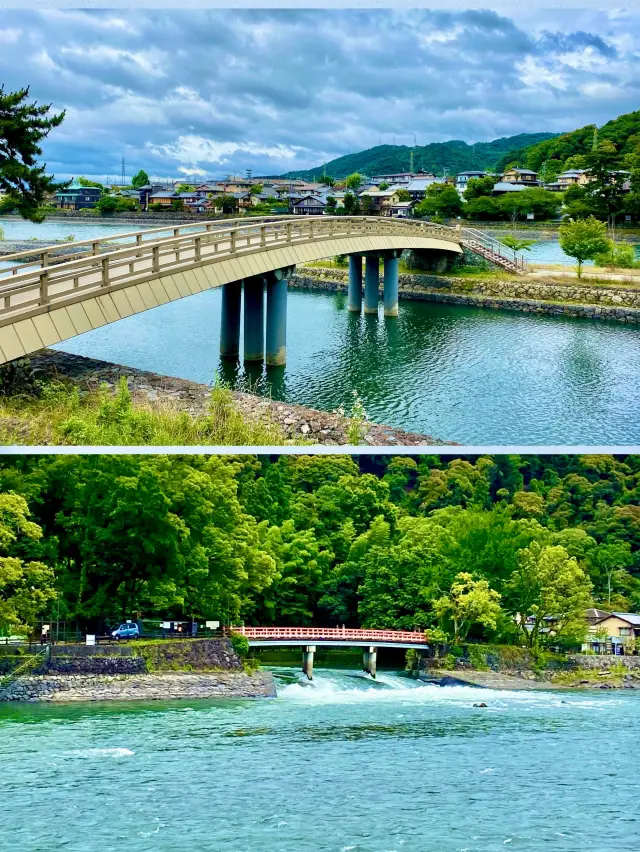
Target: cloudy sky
{"points": [[215, 92]]}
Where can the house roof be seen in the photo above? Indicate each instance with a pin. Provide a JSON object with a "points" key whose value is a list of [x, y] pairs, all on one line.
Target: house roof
{"points": [[478, 172], [631, 617], [521, 171], [402, 204], [503, 186], [318, 202], [571, 173], [163, 195], [419, 184]]}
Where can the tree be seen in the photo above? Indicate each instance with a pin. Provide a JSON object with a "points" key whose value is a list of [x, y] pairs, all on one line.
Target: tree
{"points": [[442, 200], [185, 187], [23, 126], [479, 187], [354, 181], [514, 243], [140, 179], [482, 207], [384, 185], [403, 195], [256, 189], [226, 203], [606, 184], [327, 180], [107, 204], [469, 602], [548, 594], [583, 239], [26, 585], [351, 204], [611, 560], [332, 202], [83, 181]]}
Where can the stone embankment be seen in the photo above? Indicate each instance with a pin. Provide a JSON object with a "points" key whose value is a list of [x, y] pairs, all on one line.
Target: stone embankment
{"points": [[520, 294], [140, 687], [295, 421]]}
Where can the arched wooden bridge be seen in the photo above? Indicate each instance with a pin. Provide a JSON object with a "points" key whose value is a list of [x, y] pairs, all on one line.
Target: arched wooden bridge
{"points": [[54, 294], [308, 638]]}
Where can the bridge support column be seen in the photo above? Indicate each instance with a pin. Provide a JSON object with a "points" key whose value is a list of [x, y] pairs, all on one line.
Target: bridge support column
{"points": [[391, 286], [307, 660], [230, 319], [371, 284], [254, 318], [355, 282], [277, 283], [370, 660]]}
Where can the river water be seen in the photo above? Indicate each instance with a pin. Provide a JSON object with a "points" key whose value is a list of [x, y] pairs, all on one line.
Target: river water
{"points": [[462, 374], [340, 765]]}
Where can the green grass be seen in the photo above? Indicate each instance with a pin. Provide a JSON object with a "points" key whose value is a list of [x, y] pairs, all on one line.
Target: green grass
{"points": [[62, 415]]}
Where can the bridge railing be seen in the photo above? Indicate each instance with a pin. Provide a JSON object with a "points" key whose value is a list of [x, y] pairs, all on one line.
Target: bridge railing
{"points": [[339, 633], [31, 286], [495, 246]]}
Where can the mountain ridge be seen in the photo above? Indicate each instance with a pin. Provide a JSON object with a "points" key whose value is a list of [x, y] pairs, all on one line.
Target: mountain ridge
{"points": [[452, 156]]}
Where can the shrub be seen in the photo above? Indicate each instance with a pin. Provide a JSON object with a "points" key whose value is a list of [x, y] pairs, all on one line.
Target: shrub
{"points": [[618, 256], [240, 644]]}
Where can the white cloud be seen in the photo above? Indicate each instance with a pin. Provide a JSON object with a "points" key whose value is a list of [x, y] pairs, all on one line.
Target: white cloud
{"points": [[197, 149], [536, 75]]}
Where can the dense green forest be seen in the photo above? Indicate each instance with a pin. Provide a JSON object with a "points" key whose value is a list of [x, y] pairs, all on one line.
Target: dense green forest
{"points": [[455, 156], [569, 149], [459, 546]]}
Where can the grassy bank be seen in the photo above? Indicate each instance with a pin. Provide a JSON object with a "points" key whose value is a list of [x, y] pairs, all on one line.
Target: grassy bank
{"points": [[59, 413]]}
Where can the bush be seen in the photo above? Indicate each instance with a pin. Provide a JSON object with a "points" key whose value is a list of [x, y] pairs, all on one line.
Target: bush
{"points": [[619, 256], [240, 644], [17, 378]]}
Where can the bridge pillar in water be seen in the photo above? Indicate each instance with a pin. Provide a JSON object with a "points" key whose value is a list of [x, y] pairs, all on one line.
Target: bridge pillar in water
{"points": [[277, 284], [254, 318], [371, 284], [230, 319], [307, 660], [370, 660], [355, 282], [391, 286]]}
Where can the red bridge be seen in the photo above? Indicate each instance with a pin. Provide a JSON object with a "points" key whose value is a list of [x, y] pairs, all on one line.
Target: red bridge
{"points": [[308, 638]]}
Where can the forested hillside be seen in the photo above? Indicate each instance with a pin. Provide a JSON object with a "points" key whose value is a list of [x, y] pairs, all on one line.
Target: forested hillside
{"points": [[452, 157], [569, 149], [374, 541]]}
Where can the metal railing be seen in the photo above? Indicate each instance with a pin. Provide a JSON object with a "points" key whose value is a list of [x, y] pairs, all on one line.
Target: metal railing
{"points": [[28, 288], [493, 245], [26, 665], [340, 633]]}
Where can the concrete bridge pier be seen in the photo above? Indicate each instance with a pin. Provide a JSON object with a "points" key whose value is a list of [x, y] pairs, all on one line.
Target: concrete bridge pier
{"points": [[370, 660], [307, 660], [391, 285], [277, 284], [254, 318], [371, 284], [230, 319], [355, 283]]}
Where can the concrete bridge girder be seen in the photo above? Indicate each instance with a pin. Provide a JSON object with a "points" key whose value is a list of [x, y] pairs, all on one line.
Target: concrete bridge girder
{"points": [[38, 326]]}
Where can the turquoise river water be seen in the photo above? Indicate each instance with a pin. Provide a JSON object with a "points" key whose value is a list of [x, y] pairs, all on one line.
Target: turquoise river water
{"points": [[343, 764], [461, 374]]}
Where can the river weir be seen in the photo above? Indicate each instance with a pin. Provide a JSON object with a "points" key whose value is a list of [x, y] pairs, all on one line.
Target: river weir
{"points": [[341, 763]]}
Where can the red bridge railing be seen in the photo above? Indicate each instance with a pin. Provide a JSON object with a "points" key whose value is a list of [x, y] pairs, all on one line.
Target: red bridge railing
{"points": [[339, 633]]}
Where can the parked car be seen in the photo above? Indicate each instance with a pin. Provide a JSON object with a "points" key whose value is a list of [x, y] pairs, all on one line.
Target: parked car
{"points": [[126, 631]]}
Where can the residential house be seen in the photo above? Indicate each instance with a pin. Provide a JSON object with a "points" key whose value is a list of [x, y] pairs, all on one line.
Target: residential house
{"points": [[309, 206], [165, 198], [611, 632], [209, 190], [382, 199], [146, 191], [402, 178], [418, 187], [77, 197], [463, 178], [517, 176], [401, 209]]}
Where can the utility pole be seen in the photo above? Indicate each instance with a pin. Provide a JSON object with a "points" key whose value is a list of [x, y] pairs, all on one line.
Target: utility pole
{"points": [[411, 162], [123, 173]]}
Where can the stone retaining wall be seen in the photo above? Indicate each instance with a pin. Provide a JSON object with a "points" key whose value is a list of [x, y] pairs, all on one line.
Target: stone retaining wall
{"points": [[97, 665], [142, 687], [598, 662], [541, 297]]}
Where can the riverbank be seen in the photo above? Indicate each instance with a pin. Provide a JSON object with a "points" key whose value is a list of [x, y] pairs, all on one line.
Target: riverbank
{"points": [[610, 678], [524, 294], [271, 422], [157, 686]]}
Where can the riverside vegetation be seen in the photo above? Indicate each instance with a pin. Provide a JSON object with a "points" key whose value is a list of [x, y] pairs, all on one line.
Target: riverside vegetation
{"points": [[465, 548]]}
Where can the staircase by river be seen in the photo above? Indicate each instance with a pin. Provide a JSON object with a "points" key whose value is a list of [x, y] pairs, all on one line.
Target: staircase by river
{"points": [[493, 250]]}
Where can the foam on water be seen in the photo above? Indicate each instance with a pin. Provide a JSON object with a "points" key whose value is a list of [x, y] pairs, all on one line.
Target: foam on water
{"points": [[101, 752], [337, 687]]}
